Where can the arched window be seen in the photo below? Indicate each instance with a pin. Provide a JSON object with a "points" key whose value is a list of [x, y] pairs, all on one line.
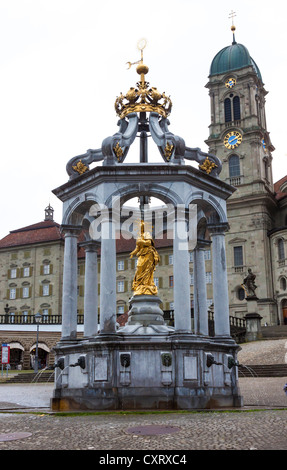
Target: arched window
{"points": [[236, 108], [281, 253], [234, 166], [232, 108], [283, 283], [227, 110], [241, 293]]}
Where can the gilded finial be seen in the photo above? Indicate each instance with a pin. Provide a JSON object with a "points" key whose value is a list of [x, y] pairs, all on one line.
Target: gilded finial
{"points": [[231, 16], [142, 98]]}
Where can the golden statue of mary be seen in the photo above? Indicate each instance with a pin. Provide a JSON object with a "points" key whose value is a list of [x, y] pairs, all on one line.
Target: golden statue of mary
{"points": [[148, 258]]}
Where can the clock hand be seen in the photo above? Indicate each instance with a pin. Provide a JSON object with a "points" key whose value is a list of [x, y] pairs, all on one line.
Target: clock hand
{"points": [[232, 139]]}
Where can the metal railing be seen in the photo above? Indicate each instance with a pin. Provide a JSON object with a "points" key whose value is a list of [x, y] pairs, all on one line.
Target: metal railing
{"points": [[30, 319], [57, 319]]}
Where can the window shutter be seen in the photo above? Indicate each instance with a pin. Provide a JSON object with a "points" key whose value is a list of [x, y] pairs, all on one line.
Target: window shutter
{"points": [[49, 311], [166, 259], [21, 272], [160, 282], [99, 288], [8, 293], [126, 264], [41, 270], [51, 269], [9, 273], [30, 291], [81, 291], [99, 267], [41, 291], [19, 293], [126, 286], [50, 289], [30, 270]]}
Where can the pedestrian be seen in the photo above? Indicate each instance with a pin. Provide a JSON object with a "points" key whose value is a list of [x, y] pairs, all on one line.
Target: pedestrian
{"points": [[285, 389]]}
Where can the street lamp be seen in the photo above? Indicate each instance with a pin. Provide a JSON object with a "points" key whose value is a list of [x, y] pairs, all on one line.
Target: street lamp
{"points": [[38, 319]]}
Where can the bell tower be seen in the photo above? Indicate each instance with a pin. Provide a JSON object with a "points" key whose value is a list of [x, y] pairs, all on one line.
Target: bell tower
{"points": [[238, 129], [238, 136]]}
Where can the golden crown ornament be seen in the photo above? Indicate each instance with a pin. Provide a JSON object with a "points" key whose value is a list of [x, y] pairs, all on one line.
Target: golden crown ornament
{"points": [[143, 98]]}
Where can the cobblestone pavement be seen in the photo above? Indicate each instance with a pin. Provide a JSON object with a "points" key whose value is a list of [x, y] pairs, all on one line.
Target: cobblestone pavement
{"points": [[260, 424], [263, 352], [261, 430]]}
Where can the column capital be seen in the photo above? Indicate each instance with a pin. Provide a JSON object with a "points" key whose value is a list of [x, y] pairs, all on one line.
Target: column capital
{"points": [[218, 229], [90, 245], [202, 244], [70, 230]]}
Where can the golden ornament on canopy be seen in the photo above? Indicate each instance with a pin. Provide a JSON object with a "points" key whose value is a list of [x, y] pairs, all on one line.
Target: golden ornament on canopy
{"points": [[143, 98]]}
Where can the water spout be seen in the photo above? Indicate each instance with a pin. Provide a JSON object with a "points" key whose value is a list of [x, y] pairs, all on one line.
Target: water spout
{"points": [[81, 362]]}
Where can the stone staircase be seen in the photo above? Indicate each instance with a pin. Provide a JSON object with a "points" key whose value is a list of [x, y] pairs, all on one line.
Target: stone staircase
{"points": [[274, 332], [258, 370], [24, 378]]}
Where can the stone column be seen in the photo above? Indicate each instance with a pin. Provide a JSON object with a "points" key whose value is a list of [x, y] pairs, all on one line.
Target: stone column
{"points": [[70, 282], [181, 277], [91, 288], [220, 283], [108, 278], [200, 295]]}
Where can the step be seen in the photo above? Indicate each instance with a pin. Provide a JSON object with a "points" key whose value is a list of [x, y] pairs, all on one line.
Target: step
{"points": [[32, 377], [263, 370], [277, 331]]}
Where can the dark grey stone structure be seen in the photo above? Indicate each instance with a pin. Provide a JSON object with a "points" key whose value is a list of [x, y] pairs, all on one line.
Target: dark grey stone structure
{"points": [[145, 364]]}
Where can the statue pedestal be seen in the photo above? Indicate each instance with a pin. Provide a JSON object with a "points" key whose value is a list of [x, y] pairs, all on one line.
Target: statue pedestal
{"points": [[145, 309], [145, 316], [253, 320]]}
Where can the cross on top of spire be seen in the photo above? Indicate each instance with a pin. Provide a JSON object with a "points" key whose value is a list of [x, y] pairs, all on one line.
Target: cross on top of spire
{"points": [[231, 16]]}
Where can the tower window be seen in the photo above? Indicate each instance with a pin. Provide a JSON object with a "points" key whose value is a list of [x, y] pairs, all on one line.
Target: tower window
{"points": [[232, 108], [236, 108], [227, 110], [234, 166]]}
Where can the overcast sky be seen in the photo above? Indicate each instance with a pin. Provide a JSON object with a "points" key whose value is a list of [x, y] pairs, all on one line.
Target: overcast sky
{"points": [[63, 63]]}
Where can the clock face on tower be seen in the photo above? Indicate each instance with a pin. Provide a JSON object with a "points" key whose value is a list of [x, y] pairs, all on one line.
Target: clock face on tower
{"points": [[230, 83], [232, 139]]}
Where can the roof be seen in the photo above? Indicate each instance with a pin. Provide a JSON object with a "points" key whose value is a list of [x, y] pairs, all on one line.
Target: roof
{"points": [[42, 232], [279, 194], [127, 246], [49, 231], [233, 57]]}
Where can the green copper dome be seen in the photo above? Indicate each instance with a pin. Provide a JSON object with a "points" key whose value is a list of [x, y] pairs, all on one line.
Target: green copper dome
{"points": [[231, 58]]}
